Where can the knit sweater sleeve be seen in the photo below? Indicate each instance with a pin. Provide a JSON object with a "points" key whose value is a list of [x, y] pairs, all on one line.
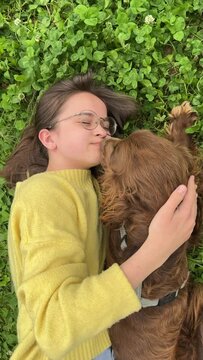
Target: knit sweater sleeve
{"points": [[64, 303]]}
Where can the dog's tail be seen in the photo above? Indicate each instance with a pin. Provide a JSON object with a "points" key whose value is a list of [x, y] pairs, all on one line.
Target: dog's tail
{"points": [[181, 117], [191, 335]]}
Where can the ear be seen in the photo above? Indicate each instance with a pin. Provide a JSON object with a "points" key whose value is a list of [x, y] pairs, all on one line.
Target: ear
{"points": [[46, 138]]}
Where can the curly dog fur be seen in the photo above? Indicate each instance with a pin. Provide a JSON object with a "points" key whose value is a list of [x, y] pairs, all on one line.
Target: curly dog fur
{"points": [[140, 172]]}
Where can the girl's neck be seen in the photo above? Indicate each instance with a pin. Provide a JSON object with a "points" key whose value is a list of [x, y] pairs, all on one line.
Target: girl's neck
{"points": [[57, 167]]}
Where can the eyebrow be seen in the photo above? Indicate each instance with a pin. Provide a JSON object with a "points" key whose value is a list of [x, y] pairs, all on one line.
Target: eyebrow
{"points": [[91, 112]]}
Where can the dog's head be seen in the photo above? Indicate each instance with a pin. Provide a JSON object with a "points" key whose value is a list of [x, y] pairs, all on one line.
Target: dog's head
{"points": [[140, 173]]}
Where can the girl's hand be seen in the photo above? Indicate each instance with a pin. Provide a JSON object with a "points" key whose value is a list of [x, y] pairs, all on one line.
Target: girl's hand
{"points": [[169, 229], [174, 222]]}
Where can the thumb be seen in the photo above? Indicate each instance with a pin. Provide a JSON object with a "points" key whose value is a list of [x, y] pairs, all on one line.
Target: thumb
{"points": [[174, 200]]}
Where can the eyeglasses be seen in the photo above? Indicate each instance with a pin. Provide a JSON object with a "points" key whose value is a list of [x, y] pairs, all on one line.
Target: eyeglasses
{"points": [[90, 120]]}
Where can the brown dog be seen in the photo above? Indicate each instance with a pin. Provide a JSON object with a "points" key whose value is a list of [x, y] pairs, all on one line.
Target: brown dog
{"points": [[140, 172]]}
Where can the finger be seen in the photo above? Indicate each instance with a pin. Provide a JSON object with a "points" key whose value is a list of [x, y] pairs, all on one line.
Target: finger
{"points": [[174, 200], [190, 198], [194, 209]]}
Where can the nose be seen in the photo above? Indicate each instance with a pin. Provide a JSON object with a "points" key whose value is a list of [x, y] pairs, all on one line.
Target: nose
{"points": [[100, 131]]}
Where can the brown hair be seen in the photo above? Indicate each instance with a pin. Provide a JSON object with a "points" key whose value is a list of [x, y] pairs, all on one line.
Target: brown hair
{"points": [[143, 168], [30, 156]]}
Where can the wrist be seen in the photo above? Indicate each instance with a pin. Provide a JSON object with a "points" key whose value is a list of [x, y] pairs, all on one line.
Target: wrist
{"points": [[141, 264]]}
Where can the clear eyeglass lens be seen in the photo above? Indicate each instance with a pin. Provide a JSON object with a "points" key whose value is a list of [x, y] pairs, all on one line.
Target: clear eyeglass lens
{"points": [[91, 121], [105, 124], [112, 125]]}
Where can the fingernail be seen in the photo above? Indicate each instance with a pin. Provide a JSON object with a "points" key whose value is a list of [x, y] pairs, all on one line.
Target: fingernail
{"points": [[181, 189]]}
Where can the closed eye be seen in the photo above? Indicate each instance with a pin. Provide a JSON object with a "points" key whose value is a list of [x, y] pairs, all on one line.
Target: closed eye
{"points": [[105, 124], [86, 122]]}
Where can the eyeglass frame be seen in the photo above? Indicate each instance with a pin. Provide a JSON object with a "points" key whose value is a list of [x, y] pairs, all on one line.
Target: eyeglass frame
{"points": [[97, 122]]}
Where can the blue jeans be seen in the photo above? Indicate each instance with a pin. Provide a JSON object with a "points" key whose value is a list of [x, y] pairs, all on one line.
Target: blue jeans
{"points": [[106, 355]]}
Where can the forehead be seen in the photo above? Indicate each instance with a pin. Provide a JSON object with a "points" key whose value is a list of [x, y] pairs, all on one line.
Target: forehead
{"points": [[83, 101]]}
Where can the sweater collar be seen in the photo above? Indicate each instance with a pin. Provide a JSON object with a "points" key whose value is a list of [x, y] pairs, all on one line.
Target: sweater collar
{"points": [[77, 176]]}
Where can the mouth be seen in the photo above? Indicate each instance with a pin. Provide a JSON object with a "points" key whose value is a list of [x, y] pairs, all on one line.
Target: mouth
{"points": [[97, 144]]}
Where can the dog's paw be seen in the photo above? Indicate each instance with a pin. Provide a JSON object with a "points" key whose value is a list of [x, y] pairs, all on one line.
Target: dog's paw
{"points": [[184, 114], [181, 117]]}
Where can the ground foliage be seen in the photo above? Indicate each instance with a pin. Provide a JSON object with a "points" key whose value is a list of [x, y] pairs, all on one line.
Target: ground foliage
{"points": [[150, 50]]}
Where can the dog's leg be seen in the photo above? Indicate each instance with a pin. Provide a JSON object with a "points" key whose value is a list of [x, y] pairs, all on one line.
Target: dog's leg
{"points": [[190, 342], [200, 340], [181, 117]]}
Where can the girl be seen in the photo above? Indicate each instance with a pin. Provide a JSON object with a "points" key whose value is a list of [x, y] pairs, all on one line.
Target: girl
{"points": [[56, 248]]}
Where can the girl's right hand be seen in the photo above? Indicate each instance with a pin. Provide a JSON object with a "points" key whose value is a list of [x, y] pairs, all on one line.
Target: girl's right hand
{"points": [[175, 221], [169, 229]]}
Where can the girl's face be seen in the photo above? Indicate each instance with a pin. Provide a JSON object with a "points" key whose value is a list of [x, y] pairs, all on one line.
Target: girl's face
{"points": [[74, 146]]}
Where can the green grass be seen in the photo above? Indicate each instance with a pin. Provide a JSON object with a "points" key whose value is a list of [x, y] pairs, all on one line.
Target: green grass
{"points": [[150, 50]]}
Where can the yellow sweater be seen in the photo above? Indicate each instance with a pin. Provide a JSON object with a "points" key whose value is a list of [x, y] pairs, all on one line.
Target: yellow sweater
{"points": [[66, 304]]}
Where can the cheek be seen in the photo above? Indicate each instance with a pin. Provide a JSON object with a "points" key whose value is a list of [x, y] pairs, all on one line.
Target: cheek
{"points": [[77, 144], [72, 140]]}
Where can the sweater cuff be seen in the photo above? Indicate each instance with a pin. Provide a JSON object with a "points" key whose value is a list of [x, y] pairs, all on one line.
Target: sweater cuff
{"points": [[124, 298]]}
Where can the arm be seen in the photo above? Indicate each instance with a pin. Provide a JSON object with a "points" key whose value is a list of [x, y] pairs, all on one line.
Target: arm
{"points": [[173, 223], [66, 305]]}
